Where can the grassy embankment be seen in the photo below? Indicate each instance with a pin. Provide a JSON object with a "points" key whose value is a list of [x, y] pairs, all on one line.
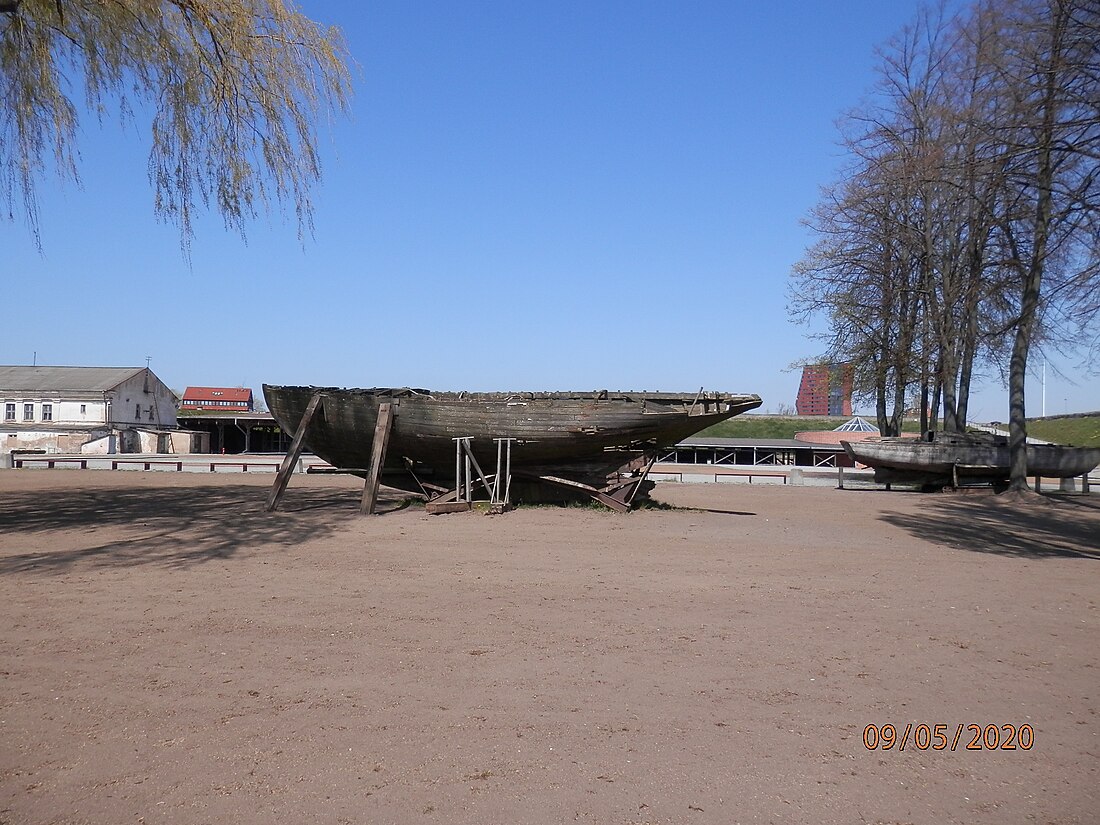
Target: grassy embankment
{"points": [[780, 426], [1082, 431]]}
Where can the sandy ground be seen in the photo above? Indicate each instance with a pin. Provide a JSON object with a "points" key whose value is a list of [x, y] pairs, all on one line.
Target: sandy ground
{"points": [[169, 653]]}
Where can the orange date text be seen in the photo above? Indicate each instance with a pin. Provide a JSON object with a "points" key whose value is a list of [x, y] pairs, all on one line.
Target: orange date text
{"points": [[972, 737]]}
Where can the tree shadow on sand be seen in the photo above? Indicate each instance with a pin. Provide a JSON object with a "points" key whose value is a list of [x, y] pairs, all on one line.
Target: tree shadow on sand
{"points": [[1033, 527], [171, 527]]}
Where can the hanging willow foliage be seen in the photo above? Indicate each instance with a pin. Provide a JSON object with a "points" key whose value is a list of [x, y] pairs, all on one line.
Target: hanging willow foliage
{"points": [[235, 88]]}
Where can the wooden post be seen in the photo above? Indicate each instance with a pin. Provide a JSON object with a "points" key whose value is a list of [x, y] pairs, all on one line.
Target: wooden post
{"points": [[495, 497], [472, 462], [642, 478], [458, 468], [508, 473], [840, 477], [377, 458], [282, 478]]}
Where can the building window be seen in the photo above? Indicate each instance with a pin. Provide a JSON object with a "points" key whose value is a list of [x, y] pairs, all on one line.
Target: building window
{"points": [[150, 412], [28, 412], [83, 409], [9, 412], [137, 411], [47, 412]]}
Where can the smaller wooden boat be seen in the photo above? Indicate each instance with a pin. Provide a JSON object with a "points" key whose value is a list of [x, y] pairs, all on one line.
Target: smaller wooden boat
{"points": [[954, 458]]}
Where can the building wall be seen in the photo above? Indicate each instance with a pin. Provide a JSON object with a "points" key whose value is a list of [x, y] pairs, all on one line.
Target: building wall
{"points": [[47, 440], [81, 412], [832, 436], [175, 442], [81, 421], [142, 401], [813, 391], [190, 441], [217, 399], [104, 445], [61, 412], [216, 406], [826, 389]]}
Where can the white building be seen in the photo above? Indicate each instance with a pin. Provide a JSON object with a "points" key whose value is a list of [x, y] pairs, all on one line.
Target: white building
{"points": [[89, 410]]}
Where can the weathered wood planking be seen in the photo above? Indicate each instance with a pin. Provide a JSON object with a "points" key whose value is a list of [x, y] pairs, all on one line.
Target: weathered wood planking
{"points": [[550, 428]]}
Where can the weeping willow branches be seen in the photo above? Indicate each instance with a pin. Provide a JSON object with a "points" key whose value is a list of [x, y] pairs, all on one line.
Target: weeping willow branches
{"points": [[234, 89]]}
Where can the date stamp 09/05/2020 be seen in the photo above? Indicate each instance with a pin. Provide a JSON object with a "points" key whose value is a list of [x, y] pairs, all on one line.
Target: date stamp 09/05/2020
{"points": [[947, 737]]}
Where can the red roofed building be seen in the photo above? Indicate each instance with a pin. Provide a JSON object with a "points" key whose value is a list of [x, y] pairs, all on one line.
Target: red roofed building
{"points": [[218, 399]]}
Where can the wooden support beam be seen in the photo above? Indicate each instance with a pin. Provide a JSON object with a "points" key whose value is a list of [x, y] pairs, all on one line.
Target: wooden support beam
{"points": [[477, 467], [427, 489], [641, 480], [282, 478], [444, 497], [436, 507], [377, 458], [611, 503], [592, 492], [566, 482]]}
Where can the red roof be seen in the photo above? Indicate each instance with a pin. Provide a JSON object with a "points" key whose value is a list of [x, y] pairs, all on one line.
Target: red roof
{"points": [[238, 395]]}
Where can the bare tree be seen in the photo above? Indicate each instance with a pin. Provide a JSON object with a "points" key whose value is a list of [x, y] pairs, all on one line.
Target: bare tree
{"points": [[892, 316], [856, 275], [979, 161], [1051, 75]]}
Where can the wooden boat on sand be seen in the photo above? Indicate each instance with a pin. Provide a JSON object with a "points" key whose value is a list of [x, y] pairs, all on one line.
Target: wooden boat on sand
{"points": [[949, 459], [571, 436]]}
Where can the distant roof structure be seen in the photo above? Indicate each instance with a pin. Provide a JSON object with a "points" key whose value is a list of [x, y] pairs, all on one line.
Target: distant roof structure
{"points": [[64, 379], [856, 425], [238, 395]]}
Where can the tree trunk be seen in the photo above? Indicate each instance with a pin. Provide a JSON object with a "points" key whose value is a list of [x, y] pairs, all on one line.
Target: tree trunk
{"points": [[1017, 372], [965, 377], [899, 406], [1033, 280], [970, 324], [948, 377], [880, 401], [934, 407]]}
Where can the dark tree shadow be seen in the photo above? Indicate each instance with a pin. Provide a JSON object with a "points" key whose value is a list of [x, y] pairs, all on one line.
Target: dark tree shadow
{"points": [[656, 504], [1032, 528], [718, 511], [170, 526]]}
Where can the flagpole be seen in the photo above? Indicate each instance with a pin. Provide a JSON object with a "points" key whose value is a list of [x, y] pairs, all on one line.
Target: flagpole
{"points": [[1044, 388]]}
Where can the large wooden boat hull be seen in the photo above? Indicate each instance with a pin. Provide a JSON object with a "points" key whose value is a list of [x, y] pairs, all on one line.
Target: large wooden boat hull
{"points": [[551, 429], [989, 460]]}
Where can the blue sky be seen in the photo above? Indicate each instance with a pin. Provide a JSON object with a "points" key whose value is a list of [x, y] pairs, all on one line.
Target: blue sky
{"points": [[569, 195]]}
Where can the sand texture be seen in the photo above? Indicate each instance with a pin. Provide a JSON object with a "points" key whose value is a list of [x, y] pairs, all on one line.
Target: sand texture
{"points": [[169, 653]]}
